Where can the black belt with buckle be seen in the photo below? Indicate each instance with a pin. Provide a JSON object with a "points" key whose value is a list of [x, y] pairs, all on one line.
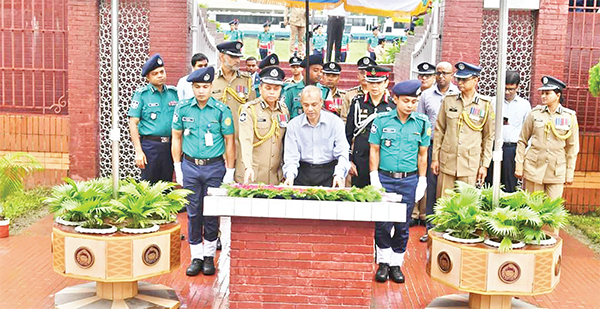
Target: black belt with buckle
{"points": [[397, 175], [162, 139], [310, 165], [510, 144], [202, 162]]}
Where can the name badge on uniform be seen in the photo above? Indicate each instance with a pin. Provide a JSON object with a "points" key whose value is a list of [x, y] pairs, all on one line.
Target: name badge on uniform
{"points": [[562, 123], [187, 119], [453, 109], [389, 130], [387, 143], [153, 116], [208, 139], [152, 104], [261, 120], [186, 132], [283, 120], [476, 113]]}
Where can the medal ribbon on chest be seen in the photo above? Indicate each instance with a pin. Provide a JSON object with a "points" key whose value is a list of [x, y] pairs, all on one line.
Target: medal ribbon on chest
{"points": [[560, 122], [465, 118]]}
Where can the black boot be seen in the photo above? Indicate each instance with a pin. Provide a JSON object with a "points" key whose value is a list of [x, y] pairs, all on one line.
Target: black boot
{"points": [[396, 274], [195, 267], [209, 266], [219, 246], [424, 238], [382, 273]]}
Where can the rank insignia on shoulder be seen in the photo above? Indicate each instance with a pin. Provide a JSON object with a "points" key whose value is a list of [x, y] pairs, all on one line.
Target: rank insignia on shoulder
{"points": [[227, 121], [243, 116], [387, 143]]}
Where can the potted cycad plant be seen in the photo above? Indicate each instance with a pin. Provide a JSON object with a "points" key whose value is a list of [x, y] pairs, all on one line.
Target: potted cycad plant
{"points": [[459, 214], [4, 223], [140, 203], [552, 214], [71, 202]]}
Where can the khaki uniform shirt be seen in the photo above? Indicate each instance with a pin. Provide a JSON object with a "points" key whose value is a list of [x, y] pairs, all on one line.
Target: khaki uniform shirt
{"points": [[240, 93], [347, 99], [297, 16], [550, 158], [460, 148], [257, 118]]}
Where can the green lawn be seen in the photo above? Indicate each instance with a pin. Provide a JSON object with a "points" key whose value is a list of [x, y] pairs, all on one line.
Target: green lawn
{"points": [[358, 49], [589, 225]]}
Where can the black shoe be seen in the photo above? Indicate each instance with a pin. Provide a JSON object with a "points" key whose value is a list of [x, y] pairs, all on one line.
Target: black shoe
{"points": [[182, 237], [414, 222], [396, 274], [423, 222], [219, 246], [424, 238], [209, 266], [382, 273], [195, 267]]}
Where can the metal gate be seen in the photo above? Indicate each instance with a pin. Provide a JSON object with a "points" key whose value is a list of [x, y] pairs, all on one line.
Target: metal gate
{"points": [[33, 56], [520, 50], [582, 52], [134, 46]]}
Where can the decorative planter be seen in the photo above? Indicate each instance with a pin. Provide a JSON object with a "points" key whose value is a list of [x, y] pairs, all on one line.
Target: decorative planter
{"points": [[491, 277], [544, 242], [116, 262], [83, 230], [496, 244], [449, 237], [4, 228], [62, 221], [146, 230]]}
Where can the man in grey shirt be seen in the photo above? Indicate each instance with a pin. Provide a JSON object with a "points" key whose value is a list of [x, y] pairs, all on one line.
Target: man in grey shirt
{"points": [[429, 104], [316, 150]]}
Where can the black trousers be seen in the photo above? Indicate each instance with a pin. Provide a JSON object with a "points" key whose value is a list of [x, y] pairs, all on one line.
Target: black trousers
{"points": [[160, 161], [314, 175], [507, 172], [335, 31], [362, 167]]}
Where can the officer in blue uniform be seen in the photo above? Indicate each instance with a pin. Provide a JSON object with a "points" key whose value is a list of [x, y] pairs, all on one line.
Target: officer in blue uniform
{"points": [[150, 115], [202, 132], [363, 111], [398, 162]]}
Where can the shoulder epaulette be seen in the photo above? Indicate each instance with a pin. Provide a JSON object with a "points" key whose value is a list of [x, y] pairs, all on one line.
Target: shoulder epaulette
{"points": [[353, 88], [342, 92], [245, 74], [538, 107], [568, 110], [169, 87], [142, 89], [383, 114]]}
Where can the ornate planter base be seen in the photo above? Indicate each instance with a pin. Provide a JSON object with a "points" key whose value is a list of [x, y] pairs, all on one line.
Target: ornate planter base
{"points": [[478, 301], [126, 295]]}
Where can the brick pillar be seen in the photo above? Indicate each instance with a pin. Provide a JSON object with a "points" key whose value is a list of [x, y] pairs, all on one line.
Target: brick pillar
{"points": [[549, 44], [170, 36], [83, 76], [291, 263], [461, 34]]}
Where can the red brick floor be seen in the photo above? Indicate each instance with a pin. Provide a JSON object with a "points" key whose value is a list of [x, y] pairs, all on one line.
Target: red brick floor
{"points": [[28, 281]]}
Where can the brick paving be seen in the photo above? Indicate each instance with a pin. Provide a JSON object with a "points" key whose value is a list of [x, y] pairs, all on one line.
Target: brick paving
{"points": [[28, 281]]}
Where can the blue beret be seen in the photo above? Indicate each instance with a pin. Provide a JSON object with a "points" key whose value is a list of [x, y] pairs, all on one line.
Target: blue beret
{"points": [[232, 48], [317, 27], [269, 60], [466, 70], [202, 75], [409, 88], [232, 22], [425, 68], [272, 75], [365, 62], [155, 61], [313, 59], [332, 68], [295, 60], [267, 23], [375, 28], [552, 83]]}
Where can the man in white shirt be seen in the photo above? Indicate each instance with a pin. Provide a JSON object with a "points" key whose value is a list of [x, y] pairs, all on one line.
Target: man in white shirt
{"points": [[184, 88], [514, 111]]}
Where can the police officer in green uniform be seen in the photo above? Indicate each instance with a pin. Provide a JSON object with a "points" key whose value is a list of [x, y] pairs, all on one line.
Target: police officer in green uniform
{"points": [[291, 92], [202, 133], [150, 115], [398, 162], [235, 34]]}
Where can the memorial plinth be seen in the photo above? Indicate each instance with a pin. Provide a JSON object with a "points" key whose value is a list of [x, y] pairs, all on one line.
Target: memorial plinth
{"points": [[116, 262], [491, 278], [291, 252]]}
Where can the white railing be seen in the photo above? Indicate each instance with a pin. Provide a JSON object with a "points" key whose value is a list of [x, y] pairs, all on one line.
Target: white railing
{"points": [[202, 40], [426, 47]]}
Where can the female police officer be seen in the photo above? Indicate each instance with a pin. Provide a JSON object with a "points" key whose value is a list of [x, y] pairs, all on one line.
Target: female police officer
{"points": [[553, 134]]}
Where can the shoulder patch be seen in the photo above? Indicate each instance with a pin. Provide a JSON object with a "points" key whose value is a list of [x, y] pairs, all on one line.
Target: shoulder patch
{"points": [[373, 129]]}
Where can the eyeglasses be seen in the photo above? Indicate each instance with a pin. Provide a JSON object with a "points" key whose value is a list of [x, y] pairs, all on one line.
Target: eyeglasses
{"points": [[510, 89], [442, 73]]}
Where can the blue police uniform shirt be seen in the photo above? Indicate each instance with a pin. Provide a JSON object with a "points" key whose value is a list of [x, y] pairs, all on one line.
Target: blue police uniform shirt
{"points": [[154, 109], [399, 141], [195, 122]]}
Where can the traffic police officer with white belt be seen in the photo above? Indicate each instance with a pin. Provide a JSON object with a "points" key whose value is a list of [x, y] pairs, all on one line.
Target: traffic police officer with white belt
{"points": [[202, 133], [398, 162], [150, 115]]}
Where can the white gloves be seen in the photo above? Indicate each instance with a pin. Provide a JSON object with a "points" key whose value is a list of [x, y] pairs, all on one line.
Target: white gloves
{"points": [[421, 186], [374, 175], [178, 173], [228, 178]]}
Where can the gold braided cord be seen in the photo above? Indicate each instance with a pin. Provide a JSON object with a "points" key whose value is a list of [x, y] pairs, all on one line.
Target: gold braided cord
{"points": [[465, 117], [550, 127], [234, 94], [274, 130]]}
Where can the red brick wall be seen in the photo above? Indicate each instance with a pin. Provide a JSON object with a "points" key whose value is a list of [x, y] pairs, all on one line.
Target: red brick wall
{"points": [[169, 36], [549, 43], [461, 35], [286, 263], [83, 88]]}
